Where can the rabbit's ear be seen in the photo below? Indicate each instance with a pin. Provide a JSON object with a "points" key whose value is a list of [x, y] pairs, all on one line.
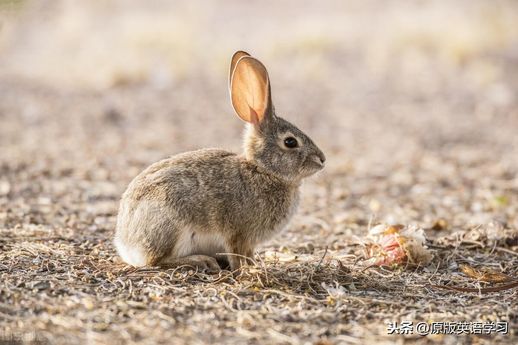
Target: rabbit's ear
{"points": [[235, 58], [250, 90]]}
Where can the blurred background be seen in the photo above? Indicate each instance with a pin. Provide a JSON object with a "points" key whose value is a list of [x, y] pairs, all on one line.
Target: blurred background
{"points": [[413, 102]]}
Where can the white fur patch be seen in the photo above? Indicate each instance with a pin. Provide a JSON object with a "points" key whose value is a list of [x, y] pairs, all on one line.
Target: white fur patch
{"points": [[192, 242], [130, 255]]}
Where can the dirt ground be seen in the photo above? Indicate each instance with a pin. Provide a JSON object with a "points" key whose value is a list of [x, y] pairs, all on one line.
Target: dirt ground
{"points": [[414, 104]]}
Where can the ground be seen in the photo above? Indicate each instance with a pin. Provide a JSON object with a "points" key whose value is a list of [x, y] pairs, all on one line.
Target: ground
{"points": [[417, 116]]}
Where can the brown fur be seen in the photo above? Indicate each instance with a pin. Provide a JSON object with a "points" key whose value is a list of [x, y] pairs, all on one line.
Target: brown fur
{"points": [[212, 195]]}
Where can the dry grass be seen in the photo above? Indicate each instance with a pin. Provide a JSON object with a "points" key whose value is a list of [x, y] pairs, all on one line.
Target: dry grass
{"points": [[71, 290], [418, 117]]}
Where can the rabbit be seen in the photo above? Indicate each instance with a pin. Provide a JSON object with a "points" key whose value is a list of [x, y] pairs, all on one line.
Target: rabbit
{"points": [[191, 207]]}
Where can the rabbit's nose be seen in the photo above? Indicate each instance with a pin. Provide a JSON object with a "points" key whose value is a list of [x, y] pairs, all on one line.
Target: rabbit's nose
{"points": [[321, 157]]}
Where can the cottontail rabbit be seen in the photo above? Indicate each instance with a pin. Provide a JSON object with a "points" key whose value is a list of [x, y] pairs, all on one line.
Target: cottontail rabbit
{"points": [[186, 208]]}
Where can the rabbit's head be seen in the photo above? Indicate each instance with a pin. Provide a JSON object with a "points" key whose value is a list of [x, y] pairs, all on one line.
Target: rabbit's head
{"points": [[270, 141]]}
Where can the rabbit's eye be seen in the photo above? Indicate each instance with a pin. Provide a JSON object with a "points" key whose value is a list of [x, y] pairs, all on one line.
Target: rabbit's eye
{"points": [[291, 142]]}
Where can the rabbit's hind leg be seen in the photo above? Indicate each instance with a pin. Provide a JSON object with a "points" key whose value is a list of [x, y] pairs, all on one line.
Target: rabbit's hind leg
{"points": [[203, 262]]}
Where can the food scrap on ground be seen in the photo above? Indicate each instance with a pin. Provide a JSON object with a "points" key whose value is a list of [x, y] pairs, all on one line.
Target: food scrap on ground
{"points": [[389, 245]]}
